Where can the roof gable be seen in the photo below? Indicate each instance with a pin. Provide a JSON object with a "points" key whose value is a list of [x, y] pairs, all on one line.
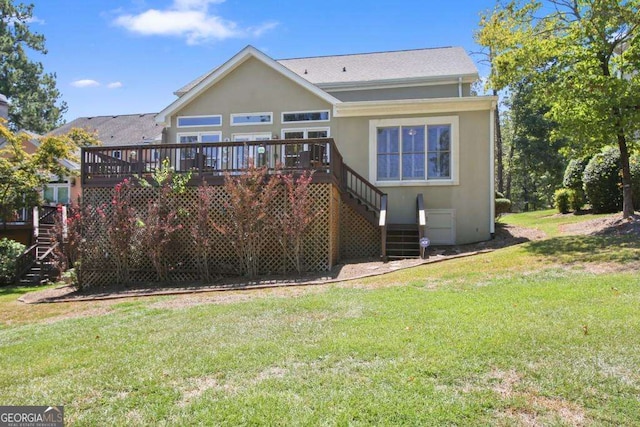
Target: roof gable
{"points": [[203, 83]]}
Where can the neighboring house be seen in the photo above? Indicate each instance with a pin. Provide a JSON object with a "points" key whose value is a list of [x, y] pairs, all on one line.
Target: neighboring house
{"points": [[121, 130], [405, 123]]}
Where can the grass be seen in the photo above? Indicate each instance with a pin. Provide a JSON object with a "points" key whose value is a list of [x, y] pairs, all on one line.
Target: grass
{"points": [[548, 220], [532, 334]]}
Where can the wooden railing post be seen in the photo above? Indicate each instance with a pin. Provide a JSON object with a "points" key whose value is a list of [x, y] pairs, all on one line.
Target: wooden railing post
{"points": [[383, 227], [36, 222]]}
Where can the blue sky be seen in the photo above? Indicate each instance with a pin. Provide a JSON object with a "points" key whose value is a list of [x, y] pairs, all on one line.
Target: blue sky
{"points": [[116, 57]]}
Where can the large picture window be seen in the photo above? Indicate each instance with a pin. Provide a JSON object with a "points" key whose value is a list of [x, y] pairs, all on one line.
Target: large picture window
{"points": [[414, 150]]}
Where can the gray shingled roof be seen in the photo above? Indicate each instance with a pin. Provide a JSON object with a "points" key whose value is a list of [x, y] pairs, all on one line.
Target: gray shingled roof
{"points": [[374, 67], [128, 129]]}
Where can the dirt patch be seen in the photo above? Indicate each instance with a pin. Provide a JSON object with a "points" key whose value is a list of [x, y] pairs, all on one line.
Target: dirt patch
{"points": [[539, 409]]}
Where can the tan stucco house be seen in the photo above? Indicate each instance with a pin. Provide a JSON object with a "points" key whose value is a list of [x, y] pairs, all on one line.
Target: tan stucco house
{"points": [[406, 121], [386, 133]]}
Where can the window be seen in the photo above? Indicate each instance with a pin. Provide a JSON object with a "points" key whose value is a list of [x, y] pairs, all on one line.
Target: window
{"points": [[54, 194], [243, 119], [195, 121], [211, 154], [305, 116], [291, 153], [305, 133], [414, 150], [116, 154]]}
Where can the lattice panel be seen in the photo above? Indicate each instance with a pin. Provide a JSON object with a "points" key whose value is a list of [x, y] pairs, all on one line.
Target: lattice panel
{"points": [[320, 247], [358, 237]]}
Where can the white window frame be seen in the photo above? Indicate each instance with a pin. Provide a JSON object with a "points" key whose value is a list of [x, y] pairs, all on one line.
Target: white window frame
{"points": [[56, 187], [117, 154], [305, 121], [453, 121], [306, 131], [265, 113], [199, 141], [195, 117], [251, 136]]}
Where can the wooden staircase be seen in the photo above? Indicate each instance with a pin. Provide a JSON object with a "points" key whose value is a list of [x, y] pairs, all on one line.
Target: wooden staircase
{"points": [[35, 265], [403, 241]]}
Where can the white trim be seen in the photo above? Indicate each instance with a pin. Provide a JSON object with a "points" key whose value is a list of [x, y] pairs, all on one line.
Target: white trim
{"points": [[195, 117], [306, 130], [396, 83], [56, 186], [492, 182], [305, 121], [265, 113], [452, 235], [413, 106], [453, 121], [198, 134], [218, 74], [253, 135]]}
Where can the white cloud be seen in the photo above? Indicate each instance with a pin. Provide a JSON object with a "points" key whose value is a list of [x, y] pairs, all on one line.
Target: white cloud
{"points": [[189, 19], [85, 83], [114, 85], [35, 20]]}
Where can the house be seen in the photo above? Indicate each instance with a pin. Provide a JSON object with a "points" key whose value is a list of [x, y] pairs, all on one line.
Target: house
{"points": [[394, 130]]}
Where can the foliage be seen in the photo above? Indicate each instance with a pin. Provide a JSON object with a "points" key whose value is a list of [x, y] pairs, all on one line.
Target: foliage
{"points": [[601, 180], [635, 180], [119, 223], [22, 175], [503, 206], [202, 230], [585, 57], [573, 180], [33, 94], [562, 200], [248, 214], [534, 160], [297, 216], [9, 252]]}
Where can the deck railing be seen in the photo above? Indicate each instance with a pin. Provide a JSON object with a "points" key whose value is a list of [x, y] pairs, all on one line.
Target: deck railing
{"points": [[104, 166]]}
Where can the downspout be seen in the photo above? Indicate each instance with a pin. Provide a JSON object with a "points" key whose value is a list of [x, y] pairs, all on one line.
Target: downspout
{"points": [[459, 87], [492, 194]]}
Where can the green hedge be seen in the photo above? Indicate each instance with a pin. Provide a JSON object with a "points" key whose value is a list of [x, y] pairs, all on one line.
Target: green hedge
{"points": [[573, 181], [602, 182], [562, 199], [10, 250]]}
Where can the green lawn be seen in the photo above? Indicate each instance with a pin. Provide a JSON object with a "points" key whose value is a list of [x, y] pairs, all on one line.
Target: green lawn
{"points": [[545, 333]]}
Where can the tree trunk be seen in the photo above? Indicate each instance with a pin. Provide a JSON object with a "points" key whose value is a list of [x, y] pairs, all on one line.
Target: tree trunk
{"points": [[627, 191], [508, 187], [499, 163]]}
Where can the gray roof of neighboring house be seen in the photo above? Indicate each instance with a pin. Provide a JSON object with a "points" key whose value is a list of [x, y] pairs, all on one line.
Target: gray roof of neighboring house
{"points": [[400, 65], [126, 129]]}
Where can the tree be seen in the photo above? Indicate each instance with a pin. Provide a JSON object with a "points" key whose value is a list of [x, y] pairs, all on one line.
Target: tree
{"points": [[535, 165], [22, 175], [585, 54], [32, 93]]}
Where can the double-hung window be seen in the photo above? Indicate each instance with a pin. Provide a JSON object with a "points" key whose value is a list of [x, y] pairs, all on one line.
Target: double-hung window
{"points": [[414, 150]]}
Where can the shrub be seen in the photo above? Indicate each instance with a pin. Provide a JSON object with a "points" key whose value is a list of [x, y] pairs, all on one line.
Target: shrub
{"points": [[562, 199], [635, 180], [503, 206], [10, 250], [573, 181], [499, 195], [602, 182]]}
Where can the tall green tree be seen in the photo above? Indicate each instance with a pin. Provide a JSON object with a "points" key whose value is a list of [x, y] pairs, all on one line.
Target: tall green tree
{"points": [[535, 163], [584, 56], [35, 100]]}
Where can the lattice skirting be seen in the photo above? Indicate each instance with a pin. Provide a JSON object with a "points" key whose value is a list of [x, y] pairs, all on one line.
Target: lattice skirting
{"points": [[358, 237], [338, 232]]}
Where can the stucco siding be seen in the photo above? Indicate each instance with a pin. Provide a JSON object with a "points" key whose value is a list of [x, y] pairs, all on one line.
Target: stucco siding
{"points": [[253, 87], [416, 92], [470, 198]]}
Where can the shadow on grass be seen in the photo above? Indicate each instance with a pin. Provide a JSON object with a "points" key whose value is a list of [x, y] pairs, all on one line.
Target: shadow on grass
{"points": [[592, 248], [12, 289]]}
